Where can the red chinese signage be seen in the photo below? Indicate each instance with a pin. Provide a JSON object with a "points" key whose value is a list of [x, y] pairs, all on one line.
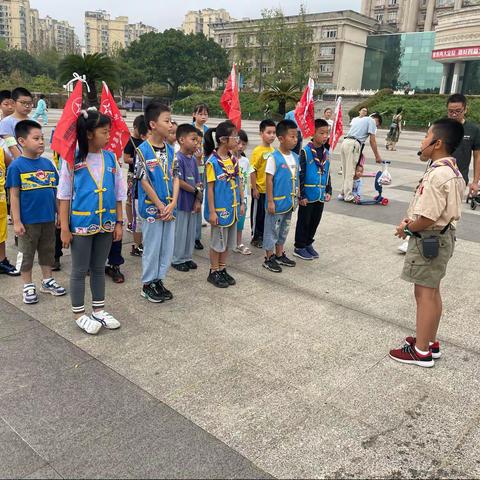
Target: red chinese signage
{"points": [[456, 53]]}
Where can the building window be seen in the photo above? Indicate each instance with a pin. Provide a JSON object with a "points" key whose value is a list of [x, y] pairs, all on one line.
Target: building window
{"points": [[392, 3], [326, 67], [379, 17], [380, 3], [445, 3], [392, 17], [329, 32], [327, 51]]}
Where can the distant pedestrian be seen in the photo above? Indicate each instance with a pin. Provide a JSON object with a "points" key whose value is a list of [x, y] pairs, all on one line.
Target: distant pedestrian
{"points": [[41, 110], [395, 129]]}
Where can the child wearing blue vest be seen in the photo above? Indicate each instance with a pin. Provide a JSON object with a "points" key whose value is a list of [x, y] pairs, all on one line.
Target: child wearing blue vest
{"points": [[225, 203], [315, 190], [282, 191], [158, 188], [91, 216]]}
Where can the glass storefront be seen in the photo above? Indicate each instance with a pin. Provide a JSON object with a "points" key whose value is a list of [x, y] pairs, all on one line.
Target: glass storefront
{"points": [[400, 61], [471, 78]]}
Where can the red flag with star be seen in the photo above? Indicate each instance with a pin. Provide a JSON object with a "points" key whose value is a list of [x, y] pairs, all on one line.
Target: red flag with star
{"points": [[64, 139], [230, 100], [305, 111], [119, 132]]}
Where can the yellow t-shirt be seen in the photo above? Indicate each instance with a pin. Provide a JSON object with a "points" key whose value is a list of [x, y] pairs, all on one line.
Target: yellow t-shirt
{"points": [[229, 167], [258, 160], [3, 173]]}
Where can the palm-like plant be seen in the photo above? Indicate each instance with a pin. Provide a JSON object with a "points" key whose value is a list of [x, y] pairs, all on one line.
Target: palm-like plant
{"points": [[281, 92], [96, 68]]}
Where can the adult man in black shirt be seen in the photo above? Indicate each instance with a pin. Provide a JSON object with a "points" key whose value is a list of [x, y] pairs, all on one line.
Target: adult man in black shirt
{"points": [[457, 108]]}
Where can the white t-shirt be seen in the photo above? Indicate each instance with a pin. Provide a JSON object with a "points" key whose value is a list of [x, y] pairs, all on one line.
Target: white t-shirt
{"points": [[292, 164], [245, 171]]}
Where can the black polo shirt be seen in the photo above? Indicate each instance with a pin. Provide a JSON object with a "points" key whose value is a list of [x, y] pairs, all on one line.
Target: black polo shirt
{"points": [[470, 143]]}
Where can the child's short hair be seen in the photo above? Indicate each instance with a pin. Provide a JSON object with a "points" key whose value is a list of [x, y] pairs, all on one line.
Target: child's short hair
{"points": [[449, 131], [24, 127], [283, 126], [153, 110], [140, 125], [5, 95], [242, 135], [320, 122], [268, 122], [20, 92], [199, 108], [185, 129]]}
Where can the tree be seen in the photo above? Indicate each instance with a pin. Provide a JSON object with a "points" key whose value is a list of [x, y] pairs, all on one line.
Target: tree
{"points": [[177, 59], [303, 49], [281, 92], [97, 67]]}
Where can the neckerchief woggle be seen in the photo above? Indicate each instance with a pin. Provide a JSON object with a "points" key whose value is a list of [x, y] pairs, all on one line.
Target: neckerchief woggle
{"points": [[319, 162]]}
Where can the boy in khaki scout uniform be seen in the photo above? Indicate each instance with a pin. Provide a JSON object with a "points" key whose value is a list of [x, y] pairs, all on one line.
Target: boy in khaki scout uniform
{"points": [[430, 228]]}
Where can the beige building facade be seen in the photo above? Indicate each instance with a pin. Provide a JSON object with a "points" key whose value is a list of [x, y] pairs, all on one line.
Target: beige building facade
{"points": [[22, 27], [410, 15], [458, 49], [339, 44], [201, 21], [105, 34]]}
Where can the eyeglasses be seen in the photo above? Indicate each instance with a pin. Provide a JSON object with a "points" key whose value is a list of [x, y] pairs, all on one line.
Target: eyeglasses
{"points": [[237, 138], [25, 104], [455, 112]]}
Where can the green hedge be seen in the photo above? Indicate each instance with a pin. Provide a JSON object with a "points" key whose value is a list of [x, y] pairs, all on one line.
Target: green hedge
{"points": [[252, 106], [418, 110]]}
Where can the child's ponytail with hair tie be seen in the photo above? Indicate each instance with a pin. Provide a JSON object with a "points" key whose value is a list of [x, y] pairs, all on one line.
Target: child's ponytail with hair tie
{"points": [[208, 142]]}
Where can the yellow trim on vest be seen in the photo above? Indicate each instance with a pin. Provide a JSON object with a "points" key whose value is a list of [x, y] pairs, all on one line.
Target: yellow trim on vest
{"points": [[76, 212]]}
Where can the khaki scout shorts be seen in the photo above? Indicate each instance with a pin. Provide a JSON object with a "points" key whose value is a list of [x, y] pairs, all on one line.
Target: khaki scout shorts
{"points": [[38, 237], [428, 272]]}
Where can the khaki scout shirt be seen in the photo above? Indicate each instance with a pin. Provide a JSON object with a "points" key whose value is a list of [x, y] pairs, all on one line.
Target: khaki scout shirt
{"points": [[438, 196]]}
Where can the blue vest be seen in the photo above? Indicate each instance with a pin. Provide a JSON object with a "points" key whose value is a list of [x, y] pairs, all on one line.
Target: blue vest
{"points": [[226, 196], [285, 185], [315, 180], [160, 178], [94, 204]]}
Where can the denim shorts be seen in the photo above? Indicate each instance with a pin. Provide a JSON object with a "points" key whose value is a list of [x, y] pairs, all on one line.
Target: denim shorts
{"points": [[276, 229]]}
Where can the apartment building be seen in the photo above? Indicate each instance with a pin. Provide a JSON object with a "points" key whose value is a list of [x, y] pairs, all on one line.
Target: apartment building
{"points": [[201, 21], [22, 27], [339, 43], [106, 34]]}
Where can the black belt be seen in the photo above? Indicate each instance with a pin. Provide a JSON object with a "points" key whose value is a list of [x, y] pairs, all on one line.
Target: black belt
{"points": [[356, 139]]}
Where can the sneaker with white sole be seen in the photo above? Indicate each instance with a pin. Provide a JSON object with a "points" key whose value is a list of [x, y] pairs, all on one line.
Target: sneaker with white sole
{"points": [[88, 324], [106, 319], [51, 286], [30, 294], [403, 247], [434, 347]]}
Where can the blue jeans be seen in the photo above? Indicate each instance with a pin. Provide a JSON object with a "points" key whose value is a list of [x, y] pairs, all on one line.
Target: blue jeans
{"points": [[158, 238], [276, 230]]}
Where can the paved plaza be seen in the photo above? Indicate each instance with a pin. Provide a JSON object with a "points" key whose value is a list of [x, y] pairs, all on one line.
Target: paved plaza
{"points": [[284, 375]]}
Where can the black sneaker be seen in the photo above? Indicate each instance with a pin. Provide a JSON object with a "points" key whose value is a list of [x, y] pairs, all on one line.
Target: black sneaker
{"points": [[198, 245], [56, 265], [166, 294], [217, 279], [284, 260], [257, 243], [8, 269], [114, 272], [151, 293], [191, 265], [181, 267], [272, 265], [136, 251], [229, 279]]}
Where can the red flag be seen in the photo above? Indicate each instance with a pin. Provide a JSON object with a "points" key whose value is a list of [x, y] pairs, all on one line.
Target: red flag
{"points": [[230, 100], [64, 139], [305, 111], [337, 128], [119, 132]]}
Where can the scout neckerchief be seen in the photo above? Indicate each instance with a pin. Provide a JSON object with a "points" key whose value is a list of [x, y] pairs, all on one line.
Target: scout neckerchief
{"points": [[449, 162], [319, 162], [228, 175]]}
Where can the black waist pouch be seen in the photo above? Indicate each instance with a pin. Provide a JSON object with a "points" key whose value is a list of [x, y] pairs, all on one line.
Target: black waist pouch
{"points": [[430, 247]]}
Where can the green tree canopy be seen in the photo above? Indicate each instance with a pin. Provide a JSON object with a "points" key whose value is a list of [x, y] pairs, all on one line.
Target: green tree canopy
{"points": [[177, 59], [97, 67]]}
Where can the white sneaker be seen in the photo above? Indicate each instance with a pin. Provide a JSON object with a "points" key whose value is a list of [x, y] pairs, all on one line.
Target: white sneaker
{"points": [[340, 197], [51, 286], [403, 247], [107, 320], [89, 325], [30, 294]]}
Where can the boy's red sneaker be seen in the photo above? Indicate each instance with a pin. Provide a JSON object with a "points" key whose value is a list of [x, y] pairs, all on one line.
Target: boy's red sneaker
{"points": [[434, 347], [408, 354]]}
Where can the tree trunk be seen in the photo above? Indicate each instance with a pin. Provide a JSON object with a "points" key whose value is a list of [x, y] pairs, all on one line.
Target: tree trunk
{"points": [[282, 104], [174, 87], [92, 96]]}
